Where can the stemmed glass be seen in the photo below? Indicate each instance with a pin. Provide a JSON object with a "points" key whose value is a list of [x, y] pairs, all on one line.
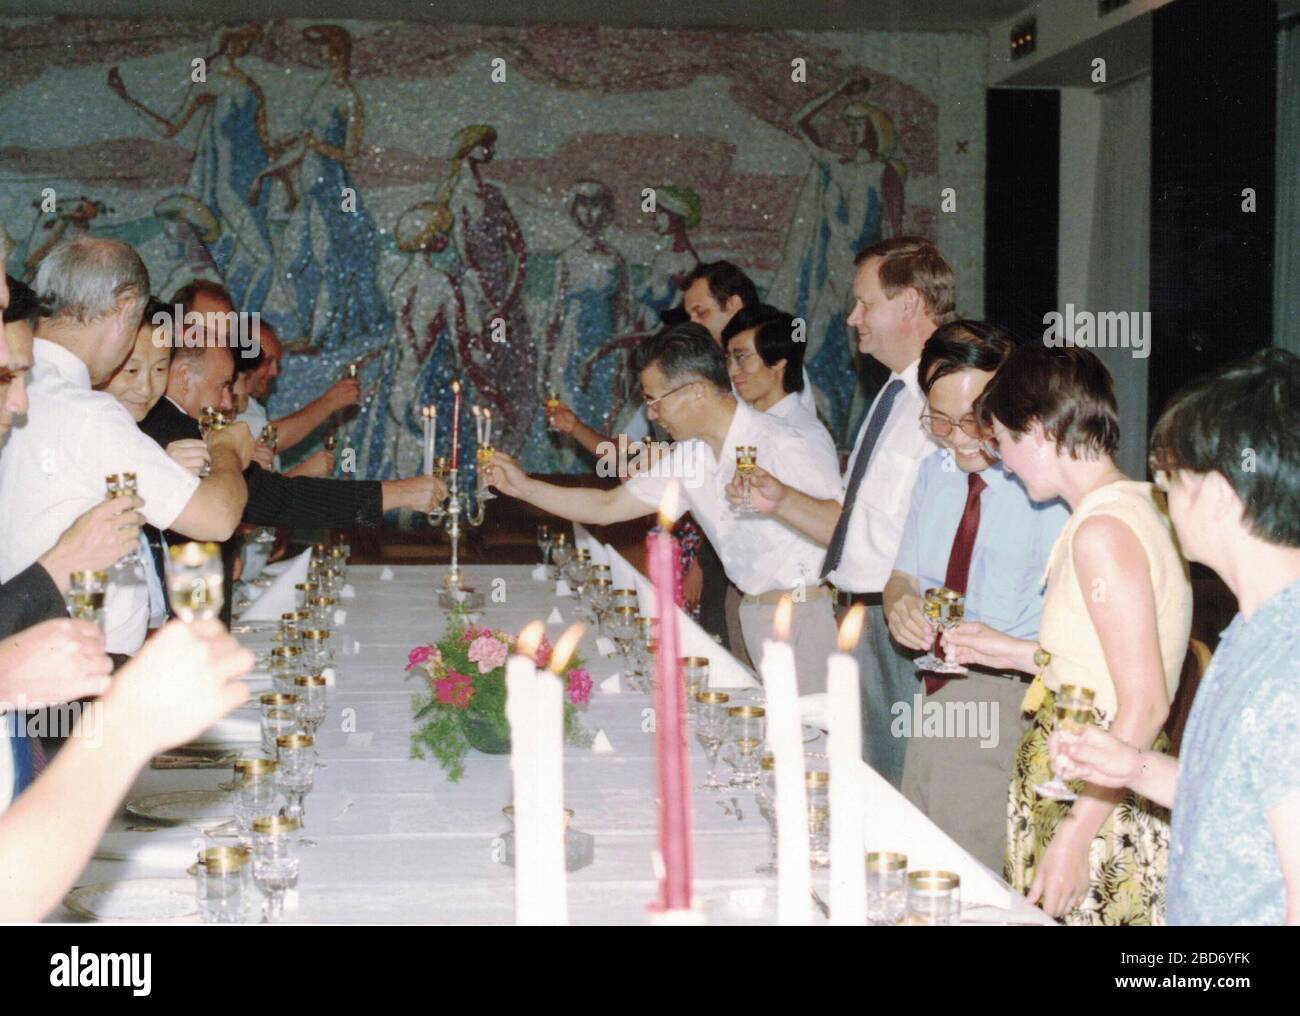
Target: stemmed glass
{"points": [[765, 798], [1073, 710], [279, 716], [124, 485], [275, 869], [747, 731], [945, 609], [647, 643], [817, 786], [85, 596], [544, 541], [312, 691], [304, 592], [316, 653], [933, 613], [484, 456], [577, 572], [255, 791], [210, 419], [709, 728], [599, 591], [194, 580], [746, 463], [695, 675], [552, 404], [296, 772], [561, 553], [623, 630]]}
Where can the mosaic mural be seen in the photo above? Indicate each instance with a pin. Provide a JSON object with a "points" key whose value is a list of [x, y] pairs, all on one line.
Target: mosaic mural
{"points": [[511, 206]]}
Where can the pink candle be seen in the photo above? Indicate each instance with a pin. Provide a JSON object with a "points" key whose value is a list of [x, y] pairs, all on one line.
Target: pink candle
{"points": [[455, 423], [672, 766]]}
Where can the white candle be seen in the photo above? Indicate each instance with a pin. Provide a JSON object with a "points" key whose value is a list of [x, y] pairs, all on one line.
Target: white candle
{"points": [[793, 879], [487, 427], [534, 707], [430, 436], [844, 711]]}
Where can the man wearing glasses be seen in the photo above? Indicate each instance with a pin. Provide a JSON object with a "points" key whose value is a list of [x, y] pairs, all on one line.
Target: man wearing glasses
{"points": [[687, 390], [970, 527]]}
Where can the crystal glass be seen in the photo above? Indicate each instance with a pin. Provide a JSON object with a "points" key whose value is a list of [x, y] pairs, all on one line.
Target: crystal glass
{"points": [[270, 436], [194, 580], [817, 785], [933, 609], [623, 630], [624, 598], [296, 772], [746, 463], [85, 596], [210, 419], [339, 562], [312, 691], [544, 540], [747, 730], [285, 667], [561, 551], [710, 727], [316, 652], [578, 573], [124, 485], [322, 612], [441, 466], [695, 675], [275, 866], [1072, 708], [221, 885], [886, 888], [598, 594], [933, 897], [649, 645], [305, 591], [952, 610], [288, 634], [553, 402], [279, 716], [255, 790], [765, 798]]}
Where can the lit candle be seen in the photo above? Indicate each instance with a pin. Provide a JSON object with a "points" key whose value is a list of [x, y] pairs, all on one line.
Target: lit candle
{"points": [[430, 436], [793, 878], [535, 710], [487, 428], [672, 765], [455, 423], [844, 711], [475, 412]]}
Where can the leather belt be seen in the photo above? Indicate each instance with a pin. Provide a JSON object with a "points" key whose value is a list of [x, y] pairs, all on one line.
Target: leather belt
{"points": [[844, 599], [774, 597]]}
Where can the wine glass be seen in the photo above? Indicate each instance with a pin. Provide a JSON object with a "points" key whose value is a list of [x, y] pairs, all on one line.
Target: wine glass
{"points": [[951, 607], [124, 485], [210, 419], [647, 643], [279, 716], [275, 869], [817, 786], [765, 798], [1073, 710], [709, 728], [85, 596], [255, 791], [933, 613], [746, 463], [194, 580], [747, 728], [623, 630], [600, 593], [312, 691], [695, 675], [553, 403], [270, 436], [296, 772], [544, 541], [561, 552]]}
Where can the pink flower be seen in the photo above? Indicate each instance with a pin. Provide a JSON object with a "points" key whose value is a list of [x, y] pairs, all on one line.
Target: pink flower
{"points": [[488, 652], [579, 687], [543, 655], [455, 690], [422, 654]]}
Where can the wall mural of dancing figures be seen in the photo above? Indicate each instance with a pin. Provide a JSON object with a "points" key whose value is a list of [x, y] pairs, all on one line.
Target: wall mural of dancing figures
{"points": [[511, 206]]}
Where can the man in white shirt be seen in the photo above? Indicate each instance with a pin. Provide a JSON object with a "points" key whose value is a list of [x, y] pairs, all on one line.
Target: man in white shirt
{"points": [[902, 291], [687, 391], [54, 467]]}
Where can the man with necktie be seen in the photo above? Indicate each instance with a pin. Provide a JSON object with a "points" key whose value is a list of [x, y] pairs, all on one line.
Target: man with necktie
{"points": [[971, 528], [903, 290]]}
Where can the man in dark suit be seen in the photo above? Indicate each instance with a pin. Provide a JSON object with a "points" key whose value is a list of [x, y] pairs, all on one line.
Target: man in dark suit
{"points": [[202, 376]]}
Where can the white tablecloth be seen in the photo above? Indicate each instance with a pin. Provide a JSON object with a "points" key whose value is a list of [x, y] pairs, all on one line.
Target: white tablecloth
{"points": [[395, 842]]}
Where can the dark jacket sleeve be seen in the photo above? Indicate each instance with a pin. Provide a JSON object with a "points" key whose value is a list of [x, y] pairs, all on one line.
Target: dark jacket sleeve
{"points": [[29, 598], [278, 500]]}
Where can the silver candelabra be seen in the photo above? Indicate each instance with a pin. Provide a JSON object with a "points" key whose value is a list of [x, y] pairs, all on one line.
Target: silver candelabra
{"points": [[454, 593]]}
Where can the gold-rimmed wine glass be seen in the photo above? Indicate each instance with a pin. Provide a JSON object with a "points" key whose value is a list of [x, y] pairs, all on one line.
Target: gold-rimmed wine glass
{"points": [[1072, 709], [747, 731], [194, 580], [746, 463], [85, 596], [710, 727]]}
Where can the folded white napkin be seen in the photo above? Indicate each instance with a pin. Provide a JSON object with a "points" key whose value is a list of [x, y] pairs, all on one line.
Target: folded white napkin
{"points": [[157, 850], [895, 823], [234, 730], [347, 593], [340, 617], [725, 671], [612, 685], [541, 573], [600, 744], [562, 588], [555, 616], [605, 646], [276, 567], [623, 574], [386, 575], [582, 538], [280, 597]]}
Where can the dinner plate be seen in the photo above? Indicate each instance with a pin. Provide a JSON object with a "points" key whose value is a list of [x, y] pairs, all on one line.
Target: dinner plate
{"points": [[202, 808], [135, 900]]}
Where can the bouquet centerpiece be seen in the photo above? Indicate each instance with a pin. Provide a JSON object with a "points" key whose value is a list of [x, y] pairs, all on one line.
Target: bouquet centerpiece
{"points": [[465, 705]]}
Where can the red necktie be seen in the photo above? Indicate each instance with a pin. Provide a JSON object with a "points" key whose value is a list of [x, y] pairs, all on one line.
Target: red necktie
{"points": [[959, 557]]}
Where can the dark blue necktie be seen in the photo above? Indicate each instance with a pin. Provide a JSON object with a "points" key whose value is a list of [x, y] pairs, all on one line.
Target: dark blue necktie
{"points": [[874, 426]]}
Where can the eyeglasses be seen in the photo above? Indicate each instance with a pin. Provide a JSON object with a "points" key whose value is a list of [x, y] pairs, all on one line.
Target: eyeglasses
{"points": [[991, 447], [651, 403], [941, 426], [738, 358]]}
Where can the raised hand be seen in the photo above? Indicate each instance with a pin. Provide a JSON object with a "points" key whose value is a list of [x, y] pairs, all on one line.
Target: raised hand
{"points": [[53, 662], [97, 540]]}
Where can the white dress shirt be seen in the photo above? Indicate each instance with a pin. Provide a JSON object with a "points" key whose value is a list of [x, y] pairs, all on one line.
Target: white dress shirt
{"points": [[876, 525], [759, 554], [53, 468], [792, 410], [255, 416]]}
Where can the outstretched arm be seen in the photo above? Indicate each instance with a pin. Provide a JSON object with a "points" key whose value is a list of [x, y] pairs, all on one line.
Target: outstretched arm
{"points": [[589, 506]]}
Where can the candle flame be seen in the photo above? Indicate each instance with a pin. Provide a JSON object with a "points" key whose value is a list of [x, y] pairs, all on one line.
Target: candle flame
{"points": [[455, 387], [529, 639], [781, 623], [851, 629], [668, 506], [564, 648]]}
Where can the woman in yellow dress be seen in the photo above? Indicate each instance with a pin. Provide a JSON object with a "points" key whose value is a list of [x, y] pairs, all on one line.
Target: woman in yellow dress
{"points": [[1116, 618]]}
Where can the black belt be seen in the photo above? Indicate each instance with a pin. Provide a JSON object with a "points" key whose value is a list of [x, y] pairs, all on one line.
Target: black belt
{"points": [[844, 599]]}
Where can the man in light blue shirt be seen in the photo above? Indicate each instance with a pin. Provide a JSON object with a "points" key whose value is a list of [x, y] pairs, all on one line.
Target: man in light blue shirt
{"points": [[970, 527]]}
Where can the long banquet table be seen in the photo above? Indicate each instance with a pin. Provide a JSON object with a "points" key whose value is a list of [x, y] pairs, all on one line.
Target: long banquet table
{"points": [[394, 842]]}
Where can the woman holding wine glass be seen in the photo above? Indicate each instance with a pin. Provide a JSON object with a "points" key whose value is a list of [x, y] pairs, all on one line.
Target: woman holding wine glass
{"points": [[1116, 618]]}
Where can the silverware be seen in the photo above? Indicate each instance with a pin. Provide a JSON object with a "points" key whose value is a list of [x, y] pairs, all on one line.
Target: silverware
{"points": [[821, 904]]}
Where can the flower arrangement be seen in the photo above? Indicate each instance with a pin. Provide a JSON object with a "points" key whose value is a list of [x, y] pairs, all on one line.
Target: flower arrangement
{"points": [[465, 705]]}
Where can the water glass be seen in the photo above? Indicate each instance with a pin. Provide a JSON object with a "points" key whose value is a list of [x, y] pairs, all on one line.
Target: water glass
{"points": [[305, 591], [695, 675], [255, 790], [275, 868], [886, 887], [933, 897], [279, 716], [748, 729], [817, 785], [222, 885], [316, 653]]}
